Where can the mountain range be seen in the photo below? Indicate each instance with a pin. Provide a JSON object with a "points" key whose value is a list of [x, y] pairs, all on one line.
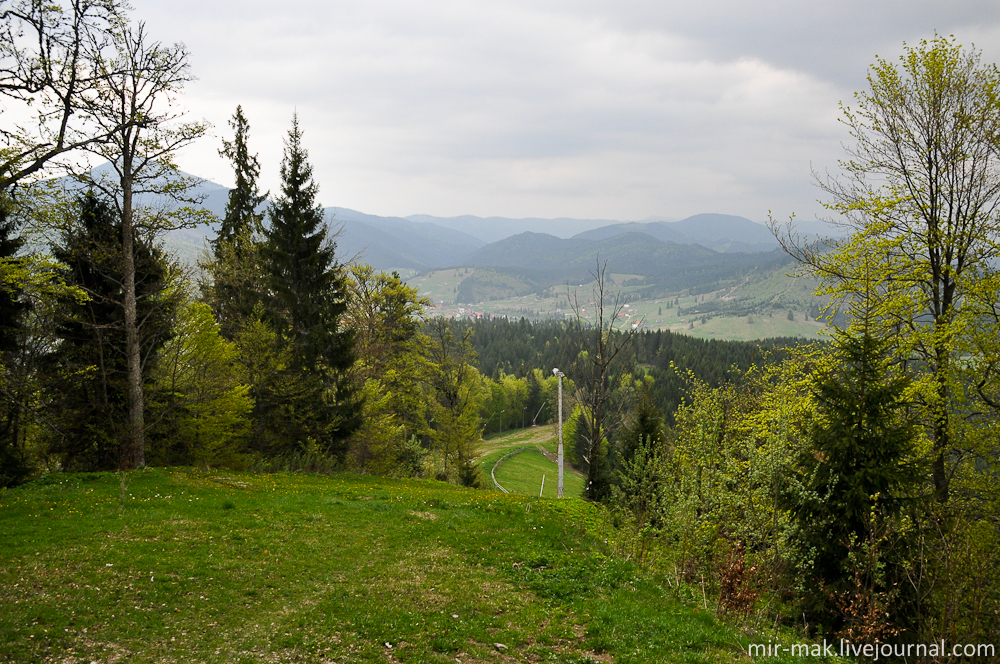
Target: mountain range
{"points": [[423, 242]]}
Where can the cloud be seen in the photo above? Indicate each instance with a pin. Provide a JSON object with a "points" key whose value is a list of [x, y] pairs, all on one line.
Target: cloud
{"points": [[544, 109]]}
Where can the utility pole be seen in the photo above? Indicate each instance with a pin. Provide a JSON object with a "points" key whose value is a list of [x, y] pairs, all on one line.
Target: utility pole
{"points": [[559, 492]]}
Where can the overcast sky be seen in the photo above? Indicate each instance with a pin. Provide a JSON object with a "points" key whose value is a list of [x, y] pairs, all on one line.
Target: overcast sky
{"points": [[576, 108]]}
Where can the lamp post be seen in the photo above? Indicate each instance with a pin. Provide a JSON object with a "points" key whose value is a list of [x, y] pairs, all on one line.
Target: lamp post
{"points": [[559, 375]]}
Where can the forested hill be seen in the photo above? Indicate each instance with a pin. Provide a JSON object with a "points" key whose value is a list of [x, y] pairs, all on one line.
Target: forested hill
{"points": [[548, 261], [519, 346], [719, 232]]}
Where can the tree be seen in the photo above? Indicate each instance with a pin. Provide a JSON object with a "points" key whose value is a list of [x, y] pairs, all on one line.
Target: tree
{"points": [[133, 109], [920, 194], [309, 295], [856, 466], [458, 396], [242, 219], [392, 367], [602, 386], [13, 308], [644, 426], [202, 400], [88, 369], [51, 62], [236, 281], [386, 315]]}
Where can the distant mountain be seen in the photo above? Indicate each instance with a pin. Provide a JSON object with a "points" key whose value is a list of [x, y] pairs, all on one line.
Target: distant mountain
{"points": [[392, 242], [491, 229], [545, 261], [721, 232], [383, 242]]}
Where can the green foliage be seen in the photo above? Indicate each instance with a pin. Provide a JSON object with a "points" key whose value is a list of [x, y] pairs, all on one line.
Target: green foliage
{"points": [[13, 308], [920, 178], [242, 219], [87, 370], [458, 396], [385, 315], [235, 282], [307, 307], [202, 403], [854, 472], [723, 477]]}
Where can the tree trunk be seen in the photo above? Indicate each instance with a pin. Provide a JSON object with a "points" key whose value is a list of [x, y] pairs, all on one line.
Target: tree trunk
{"points": [[135, 454]]}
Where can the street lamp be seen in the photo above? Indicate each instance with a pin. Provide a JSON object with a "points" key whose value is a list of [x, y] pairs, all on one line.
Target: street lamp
{"points": [[560, 375]]}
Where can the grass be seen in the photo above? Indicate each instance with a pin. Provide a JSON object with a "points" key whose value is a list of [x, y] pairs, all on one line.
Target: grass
{"points": [[221, 567], [522, 473]]}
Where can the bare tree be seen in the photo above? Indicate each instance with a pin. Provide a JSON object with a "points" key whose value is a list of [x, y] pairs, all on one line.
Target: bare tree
{"points": [[602, 384], [51, 62], [135, 109]]}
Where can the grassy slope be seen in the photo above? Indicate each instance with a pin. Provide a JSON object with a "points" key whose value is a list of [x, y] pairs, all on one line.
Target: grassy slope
{"points": [[244, 568], [522, 472]]}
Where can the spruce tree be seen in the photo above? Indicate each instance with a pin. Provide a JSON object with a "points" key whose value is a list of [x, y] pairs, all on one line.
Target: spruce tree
{"points": [[13, 307], [236, 283], [242, 221], [309, 297], [855, 465]]}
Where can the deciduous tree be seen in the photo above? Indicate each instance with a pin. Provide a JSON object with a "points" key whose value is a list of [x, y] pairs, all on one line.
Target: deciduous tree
{"points": [[53, 68], [920, 195], [134, 109]]}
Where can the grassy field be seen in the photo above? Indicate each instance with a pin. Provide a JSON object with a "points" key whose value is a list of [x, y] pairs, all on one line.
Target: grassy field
{"points": [[771, 297], [522, 473], [174, 565]]}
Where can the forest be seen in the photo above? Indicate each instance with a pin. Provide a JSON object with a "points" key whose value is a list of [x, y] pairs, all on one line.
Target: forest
{"points": [[849, 488]]}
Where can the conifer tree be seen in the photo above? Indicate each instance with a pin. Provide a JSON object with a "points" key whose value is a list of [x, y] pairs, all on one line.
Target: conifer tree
{"points": [[856, 465], [236, 282], [12, 310], [309, 296], [242, 220]]}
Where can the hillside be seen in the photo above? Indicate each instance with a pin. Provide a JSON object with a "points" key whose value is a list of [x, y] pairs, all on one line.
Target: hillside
{"points": [[491, 229], [719, 232], [548, 261], [184, 566]]}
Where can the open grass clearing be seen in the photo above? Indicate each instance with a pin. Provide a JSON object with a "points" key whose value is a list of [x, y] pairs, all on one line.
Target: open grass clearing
{"points": [[523, 472], [174, 565]]}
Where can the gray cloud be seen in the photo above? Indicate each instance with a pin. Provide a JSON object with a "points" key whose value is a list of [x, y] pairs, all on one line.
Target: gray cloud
{"points": [[564, 108]]}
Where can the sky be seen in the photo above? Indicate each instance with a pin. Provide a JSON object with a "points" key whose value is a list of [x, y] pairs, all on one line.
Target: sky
{"points": [[547, 108]]}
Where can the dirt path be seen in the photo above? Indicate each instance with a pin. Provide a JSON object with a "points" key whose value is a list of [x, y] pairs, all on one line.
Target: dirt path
{"points": [[518, 438]]}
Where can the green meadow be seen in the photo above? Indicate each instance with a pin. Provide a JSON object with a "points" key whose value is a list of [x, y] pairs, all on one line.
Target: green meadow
{"points": [[178, 565]]}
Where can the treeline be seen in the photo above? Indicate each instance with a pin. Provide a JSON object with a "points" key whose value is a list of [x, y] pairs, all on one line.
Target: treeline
{"points": [[275, 355], [852, 489], [519, 347]]}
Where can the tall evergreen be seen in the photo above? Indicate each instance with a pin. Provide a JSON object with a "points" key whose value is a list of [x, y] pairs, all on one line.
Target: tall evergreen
{"points": [[854, 467], [309, 296], [13, 307], [242, 221], [88, 369], [235, 282]]}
